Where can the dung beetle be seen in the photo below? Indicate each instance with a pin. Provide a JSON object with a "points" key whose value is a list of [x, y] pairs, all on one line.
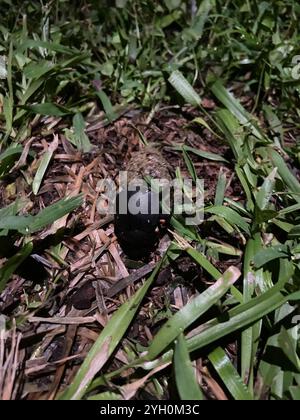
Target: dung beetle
{"points": [[139, 219], [138, 232]]}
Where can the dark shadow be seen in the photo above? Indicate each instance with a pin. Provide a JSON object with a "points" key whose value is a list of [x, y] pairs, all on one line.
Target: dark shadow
{"points": [[275, 356]]}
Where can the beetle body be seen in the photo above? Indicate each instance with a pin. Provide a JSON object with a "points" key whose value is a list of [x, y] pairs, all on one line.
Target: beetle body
{"points": [[139, 218]]}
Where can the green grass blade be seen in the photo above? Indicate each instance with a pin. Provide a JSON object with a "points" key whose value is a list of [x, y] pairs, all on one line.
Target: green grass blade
{"points": [[8, 158], [191, 312], [202, 153], [54, 212], [245, 184], [247, 338], [184, 88], [243, 315], [265, 192], [216, 274], [220, 189], [50, 46], [48, 109], [231, 216], [289, 179], [81, 140], [248, 316], [189, 164], [234, 106], [108, 340], [266, 255], [13, 263], [289, 347], [41, 171], [105, 396], [229, 375], [295, 392], [224, 248], [204, 263], [187, 386], [47, 156], [30, 224], [107, 106], [232, 130]]}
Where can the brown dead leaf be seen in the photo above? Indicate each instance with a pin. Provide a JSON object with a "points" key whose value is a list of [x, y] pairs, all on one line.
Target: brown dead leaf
{"points": [[129, 391]]}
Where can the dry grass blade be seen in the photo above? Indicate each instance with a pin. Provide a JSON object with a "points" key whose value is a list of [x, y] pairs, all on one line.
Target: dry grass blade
{"points": [[128, 391], [9, 363]]}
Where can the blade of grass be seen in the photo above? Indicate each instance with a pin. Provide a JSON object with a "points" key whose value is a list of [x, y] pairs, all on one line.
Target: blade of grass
{"points": [[189, 164], [8, 103], [47, 156], [187, 386], [107, 106], [80, 138], [224, 248], [231, 216], [112, 334], [50, 46], [30, 224], [243, 180], [13, 263], [289, 347], [8, 158], [240, 317], [229, 375], [289, 179], [265, 192], [220, 189], [234, 106], [201, 121], [48, 109], [247, 338], [233, 132], [191, 312], [202, 153], [184, 88], [250, 314], [204, 263]]}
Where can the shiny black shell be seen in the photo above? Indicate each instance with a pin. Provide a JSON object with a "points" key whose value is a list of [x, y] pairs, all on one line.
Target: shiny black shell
{"points": [[138, 233]]}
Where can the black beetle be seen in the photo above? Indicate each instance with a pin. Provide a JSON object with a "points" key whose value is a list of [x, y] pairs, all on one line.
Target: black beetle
{"points": [[138, 230], [139, 218]]}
